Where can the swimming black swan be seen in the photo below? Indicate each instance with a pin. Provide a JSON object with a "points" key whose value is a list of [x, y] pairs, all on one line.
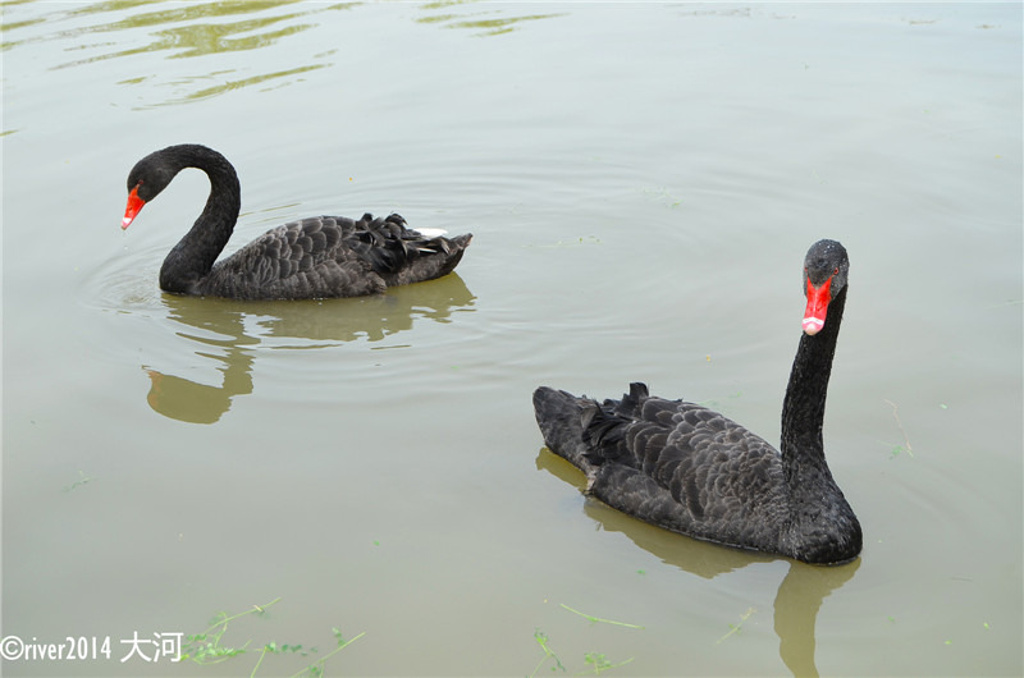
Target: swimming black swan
{"points": [[685, 468], [313, 258]]}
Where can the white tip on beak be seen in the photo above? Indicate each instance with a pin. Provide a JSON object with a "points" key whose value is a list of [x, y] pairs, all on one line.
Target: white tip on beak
{"points": [[813, 325]]}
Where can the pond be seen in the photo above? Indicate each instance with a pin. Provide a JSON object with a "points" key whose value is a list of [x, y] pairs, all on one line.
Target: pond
{"points": [[642, 182]]}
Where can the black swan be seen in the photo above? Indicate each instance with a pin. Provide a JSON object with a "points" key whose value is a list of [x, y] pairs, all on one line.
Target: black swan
{"points": [[317, 257], [688, 469]]}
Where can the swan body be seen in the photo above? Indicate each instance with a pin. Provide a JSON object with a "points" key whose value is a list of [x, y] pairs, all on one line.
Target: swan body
{"points": [[316, 257], [685, 468]]}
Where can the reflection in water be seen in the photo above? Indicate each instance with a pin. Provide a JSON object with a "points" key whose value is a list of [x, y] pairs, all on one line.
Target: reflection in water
{"points": [[222, 330], [489, 21], [213, 28], [228, 331], [796, 610], [183, 31], [799, 596]]}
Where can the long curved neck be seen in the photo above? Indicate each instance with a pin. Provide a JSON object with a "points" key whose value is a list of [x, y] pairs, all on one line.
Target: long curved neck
{"points": [[803, 410], [192, 258]]}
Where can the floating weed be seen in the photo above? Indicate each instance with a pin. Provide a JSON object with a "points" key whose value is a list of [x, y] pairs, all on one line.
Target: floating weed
{"points": [[316, 669], [594, 619], [663, 195], [736, 628], [898, 450], [595, 661], [599, 663], [581, 240], [273, 648], [542, 640], [906, 447], [82, 480], [206, 647]]}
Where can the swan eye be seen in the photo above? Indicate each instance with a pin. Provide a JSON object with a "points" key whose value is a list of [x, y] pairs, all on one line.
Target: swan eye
{"points": [[836, 272]]}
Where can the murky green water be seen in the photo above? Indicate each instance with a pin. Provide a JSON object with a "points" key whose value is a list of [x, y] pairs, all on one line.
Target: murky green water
{"points": [[642, 182]]}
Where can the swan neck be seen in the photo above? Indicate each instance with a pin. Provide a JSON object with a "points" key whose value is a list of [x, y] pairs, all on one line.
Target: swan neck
{"points": [[803, 410], [194, 255]]}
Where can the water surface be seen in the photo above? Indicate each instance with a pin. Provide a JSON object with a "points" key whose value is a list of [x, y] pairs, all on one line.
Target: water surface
{"points": [[642, 181]]}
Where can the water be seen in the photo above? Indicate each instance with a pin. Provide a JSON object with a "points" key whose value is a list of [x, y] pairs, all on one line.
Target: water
{"points": [[642, 182]]}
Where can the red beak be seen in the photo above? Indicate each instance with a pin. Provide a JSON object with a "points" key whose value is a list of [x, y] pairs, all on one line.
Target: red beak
{"points": [[135, 204], [817, 306]]}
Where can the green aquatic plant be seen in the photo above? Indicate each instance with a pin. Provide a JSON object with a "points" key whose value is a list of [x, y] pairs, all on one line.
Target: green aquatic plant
{"points": [[595, 620], [599, 663], [736, 628], [596, 661], [207, 648], [906, 446], [82, 480], [316, 669], [542, 640]]}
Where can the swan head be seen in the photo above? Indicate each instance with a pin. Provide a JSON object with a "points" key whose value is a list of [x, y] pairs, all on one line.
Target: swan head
{"points": [[147, 179], [152, 174], [826, 268]]}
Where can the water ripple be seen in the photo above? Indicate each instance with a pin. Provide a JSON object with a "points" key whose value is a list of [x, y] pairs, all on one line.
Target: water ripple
{"points": [[115, 29], [106, 31]]}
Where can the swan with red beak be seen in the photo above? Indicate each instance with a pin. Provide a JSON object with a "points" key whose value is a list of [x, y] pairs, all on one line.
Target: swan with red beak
{"points": [[688, 469], [316, 257]]}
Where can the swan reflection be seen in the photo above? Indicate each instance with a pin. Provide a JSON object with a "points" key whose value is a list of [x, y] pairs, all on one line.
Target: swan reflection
{"points": [[227, 333], [797, 600]]}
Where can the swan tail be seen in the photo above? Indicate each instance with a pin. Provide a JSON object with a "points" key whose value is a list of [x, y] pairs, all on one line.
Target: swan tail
{"points": [[401, 255], [584, 432], [606, 427], [450, 253], [560, 417]]}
